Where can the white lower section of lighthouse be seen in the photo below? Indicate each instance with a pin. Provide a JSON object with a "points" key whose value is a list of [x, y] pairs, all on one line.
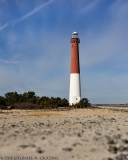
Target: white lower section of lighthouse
{"points": [[75, 88]]}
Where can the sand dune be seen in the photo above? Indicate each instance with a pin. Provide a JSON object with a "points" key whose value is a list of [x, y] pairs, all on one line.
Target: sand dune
{"points": [[78, 134]]}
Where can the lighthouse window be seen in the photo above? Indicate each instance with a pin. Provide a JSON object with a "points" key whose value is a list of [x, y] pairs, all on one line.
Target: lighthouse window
{"points": [[76, 98]]}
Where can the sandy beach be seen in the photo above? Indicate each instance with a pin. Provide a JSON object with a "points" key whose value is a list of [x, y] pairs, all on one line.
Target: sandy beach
{"points": [[77, 134]]}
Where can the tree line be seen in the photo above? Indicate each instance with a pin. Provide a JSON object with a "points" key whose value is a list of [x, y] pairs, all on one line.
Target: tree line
{"points": [[28, 100]]}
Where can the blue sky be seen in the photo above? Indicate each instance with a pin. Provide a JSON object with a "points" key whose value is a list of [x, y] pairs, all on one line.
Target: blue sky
{"points": [[35, 47]]}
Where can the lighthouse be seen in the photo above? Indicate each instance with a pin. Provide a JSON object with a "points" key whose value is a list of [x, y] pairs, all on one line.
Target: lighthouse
{"points": [[75, 87]]}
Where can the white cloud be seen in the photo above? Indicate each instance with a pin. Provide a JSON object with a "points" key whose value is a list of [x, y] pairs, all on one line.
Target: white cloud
{"points": [[4, 26], [14, 22], [11, 61], [89, 7], [32, 12], [97, 48]]}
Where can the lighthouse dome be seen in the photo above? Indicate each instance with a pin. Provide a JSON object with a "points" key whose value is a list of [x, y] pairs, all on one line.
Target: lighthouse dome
{"points": [[74, 35]]}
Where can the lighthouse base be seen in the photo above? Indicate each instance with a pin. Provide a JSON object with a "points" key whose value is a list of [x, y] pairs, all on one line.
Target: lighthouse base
{"points": [[75, 89]]}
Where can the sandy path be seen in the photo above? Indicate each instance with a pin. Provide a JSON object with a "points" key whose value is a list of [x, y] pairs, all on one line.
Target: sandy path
{"points": [[79, 134]]}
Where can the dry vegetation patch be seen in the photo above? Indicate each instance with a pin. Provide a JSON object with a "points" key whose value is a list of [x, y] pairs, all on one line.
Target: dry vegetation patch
{"points": [[43, 114], [39, 113]]}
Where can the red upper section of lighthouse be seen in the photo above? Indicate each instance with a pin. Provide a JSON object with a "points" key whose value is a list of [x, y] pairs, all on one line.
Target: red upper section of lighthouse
{"points": [[75, 40], [75, 67]]}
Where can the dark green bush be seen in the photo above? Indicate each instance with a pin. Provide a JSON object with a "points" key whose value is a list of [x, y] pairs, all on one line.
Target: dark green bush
{"points": [[28, 100], [84, 103]]}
